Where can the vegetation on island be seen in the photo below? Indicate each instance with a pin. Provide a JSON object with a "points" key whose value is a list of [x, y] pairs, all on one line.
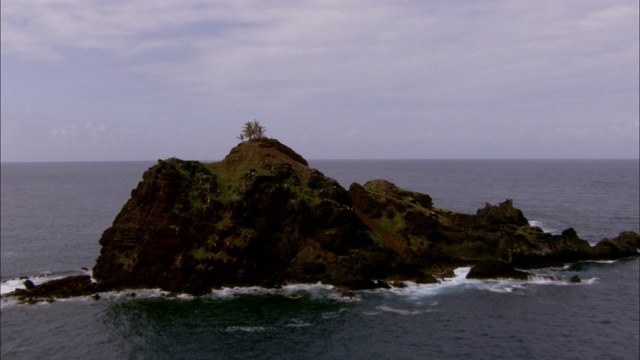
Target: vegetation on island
{"points": [[252, 130]]}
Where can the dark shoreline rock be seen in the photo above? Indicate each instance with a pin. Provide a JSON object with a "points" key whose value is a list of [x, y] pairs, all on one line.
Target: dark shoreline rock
{"points": [[496, 270], [263, 217], [70, 286]]}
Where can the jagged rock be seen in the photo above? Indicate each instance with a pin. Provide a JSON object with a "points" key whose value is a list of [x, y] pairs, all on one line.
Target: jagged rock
{"points": [[495, 270], [262, 216], [79, 285], [503, 214], [65, 287], [259, 217], [28, 284], [532, 249], [364, 201], [624, 245]]}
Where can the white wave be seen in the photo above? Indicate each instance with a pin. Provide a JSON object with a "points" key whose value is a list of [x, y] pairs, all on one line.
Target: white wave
{"points": [[503, 287], [534, 279], [390, 309], [294, 291], [535, 223], [11, 285], [8, 302], [107, 295], [410, 290], [459, 283], [460, 275], [541, 279], [296, 323], [381, 309], [588, 281], [317, 290], [604, 261], [141, 293], [417, 291], [542, 226], [560, 281], [332, 314], [496, 285], [247, 329], [230, 292], [372, 313]]}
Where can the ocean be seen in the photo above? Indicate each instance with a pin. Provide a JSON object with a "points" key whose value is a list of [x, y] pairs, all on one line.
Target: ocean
{"points": [[52, 216]]}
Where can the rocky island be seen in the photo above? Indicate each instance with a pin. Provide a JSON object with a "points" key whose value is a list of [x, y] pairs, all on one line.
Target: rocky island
{"points": [[263, 217]]}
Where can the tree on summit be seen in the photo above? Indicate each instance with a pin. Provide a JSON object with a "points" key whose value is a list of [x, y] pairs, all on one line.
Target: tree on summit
{"points": [[252, 130]]}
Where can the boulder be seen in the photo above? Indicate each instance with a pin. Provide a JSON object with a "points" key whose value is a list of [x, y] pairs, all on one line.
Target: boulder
{"points": [[70, 286], [496, 270], [626, 244], [503, 214], [28, 284]]}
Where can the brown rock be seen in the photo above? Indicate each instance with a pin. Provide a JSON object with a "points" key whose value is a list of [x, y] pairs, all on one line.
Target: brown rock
{"points": [[496, 270]]}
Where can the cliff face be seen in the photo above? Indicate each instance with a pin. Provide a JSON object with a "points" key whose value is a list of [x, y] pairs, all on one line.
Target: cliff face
{"points": [[428, 237], [259, 217], [262, 216]]}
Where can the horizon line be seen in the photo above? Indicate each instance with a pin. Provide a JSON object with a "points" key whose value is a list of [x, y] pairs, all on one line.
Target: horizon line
{"points": [[326, 159]]}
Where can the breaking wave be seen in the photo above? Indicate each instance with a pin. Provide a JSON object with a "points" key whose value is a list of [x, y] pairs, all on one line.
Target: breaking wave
{"points": [[11, 285], [545, 227], [319, 291]]}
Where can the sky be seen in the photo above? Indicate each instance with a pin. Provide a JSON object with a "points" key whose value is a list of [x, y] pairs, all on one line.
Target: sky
{"points": [[97, 80]]}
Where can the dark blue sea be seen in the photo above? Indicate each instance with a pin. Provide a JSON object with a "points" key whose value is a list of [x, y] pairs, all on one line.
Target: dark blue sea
{"points": [[54, 213]]}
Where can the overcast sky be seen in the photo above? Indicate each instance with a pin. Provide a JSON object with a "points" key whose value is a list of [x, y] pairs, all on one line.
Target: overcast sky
{"points": [[144, 80]]}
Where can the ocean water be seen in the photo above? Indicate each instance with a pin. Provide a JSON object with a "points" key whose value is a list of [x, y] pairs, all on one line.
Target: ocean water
{"points": [[52, 216]]}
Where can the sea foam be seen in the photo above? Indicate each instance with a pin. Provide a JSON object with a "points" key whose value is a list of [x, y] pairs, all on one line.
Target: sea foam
{"points": [[543, 226], [409, 290], [11, 285]]}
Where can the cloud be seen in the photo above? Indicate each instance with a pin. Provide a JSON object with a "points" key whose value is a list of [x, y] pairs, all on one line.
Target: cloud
{"points": [[627, 129], [323, 67], [65, 132], [28, 27], [321, 47], [95, 129], [595, 132]]}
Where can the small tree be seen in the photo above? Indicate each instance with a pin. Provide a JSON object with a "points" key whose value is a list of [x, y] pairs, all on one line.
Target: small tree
{"points": [[252, 130]]}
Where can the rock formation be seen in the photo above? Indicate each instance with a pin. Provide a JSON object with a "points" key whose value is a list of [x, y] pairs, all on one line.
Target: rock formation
{"points": [[262, 216]]}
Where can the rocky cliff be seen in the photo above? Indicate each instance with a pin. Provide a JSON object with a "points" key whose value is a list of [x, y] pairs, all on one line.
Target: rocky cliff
{"points": [[262, 216]]}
